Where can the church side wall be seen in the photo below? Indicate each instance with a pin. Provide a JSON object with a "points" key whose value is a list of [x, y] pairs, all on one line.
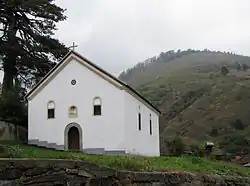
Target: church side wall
{"points": [[105, 131], [140, 141]]}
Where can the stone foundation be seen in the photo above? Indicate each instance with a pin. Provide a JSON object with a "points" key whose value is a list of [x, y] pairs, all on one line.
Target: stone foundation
{"points": [[42, 172], [97, 151]]}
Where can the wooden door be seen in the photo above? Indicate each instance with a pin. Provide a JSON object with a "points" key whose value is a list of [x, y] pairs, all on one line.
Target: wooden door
{"points": [[73, 139]]}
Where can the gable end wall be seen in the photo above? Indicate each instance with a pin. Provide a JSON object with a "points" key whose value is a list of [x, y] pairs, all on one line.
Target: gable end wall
{"points": [[98, 131], [117, 83]]}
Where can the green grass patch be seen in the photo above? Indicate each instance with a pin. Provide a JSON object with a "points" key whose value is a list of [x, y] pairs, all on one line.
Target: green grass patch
{"points": [[190, 164]]}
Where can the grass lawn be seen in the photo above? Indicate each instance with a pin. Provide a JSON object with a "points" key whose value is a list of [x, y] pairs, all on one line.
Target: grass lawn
{"points": [[190, 164]]}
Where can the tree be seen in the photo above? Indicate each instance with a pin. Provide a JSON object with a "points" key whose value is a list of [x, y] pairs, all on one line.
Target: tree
{"points": [[214, 131], [198, 150], [238, 66], [176, 146], [237, 124], [13, 108], [245, 67], [224, 70], [27, 48]]}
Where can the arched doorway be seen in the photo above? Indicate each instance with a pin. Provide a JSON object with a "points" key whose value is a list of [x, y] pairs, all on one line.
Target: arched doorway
{"points": [[73, 137]]}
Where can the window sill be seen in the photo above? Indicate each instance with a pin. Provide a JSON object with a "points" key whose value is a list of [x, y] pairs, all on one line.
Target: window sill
{"points": [[72, 116]]}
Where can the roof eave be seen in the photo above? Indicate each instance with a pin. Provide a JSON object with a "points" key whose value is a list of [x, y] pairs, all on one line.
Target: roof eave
{"points": [[27, 96]]}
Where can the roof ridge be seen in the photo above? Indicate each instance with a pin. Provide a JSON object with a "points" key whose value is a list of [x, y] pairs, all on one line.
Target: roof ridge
{"points": [[124, 84]]}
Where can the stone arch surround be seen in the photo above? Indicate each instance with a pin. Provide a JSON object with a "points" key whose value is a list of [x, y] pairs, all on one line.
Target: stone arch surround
{"points": [[66, 131]]}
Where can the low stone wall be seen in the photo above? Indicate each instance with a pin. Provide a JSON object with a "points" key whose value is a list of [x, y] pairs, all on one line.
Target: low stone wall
{"points": [[80, 173], [9, 131]]}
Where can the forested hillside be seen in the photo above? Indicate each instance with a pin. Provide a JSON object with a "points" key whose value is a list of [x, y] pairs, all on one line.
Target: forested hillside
{"points": [[203, 95]]}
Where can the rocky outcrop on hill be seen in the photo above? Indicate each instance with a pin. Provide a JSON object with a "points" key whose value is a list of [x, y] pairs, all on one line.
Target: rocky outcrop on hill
{"points": [[76, 173]]}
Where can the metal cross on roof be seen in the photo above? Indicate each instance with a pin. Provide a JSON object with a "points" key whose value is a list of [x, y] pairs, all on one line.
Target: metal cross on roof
{"points": [[73, 46]]}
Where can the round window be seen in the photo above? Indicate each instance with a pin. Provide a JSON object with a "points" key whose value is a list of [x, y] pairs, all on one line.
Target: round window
{"points": [[73, 82]]}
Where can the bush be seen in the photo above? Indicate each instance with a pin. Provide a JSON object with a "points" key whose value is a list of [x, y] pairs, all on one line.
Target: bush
{"points": [[14, 151], [13, 108], [196, 160], [214, 131], [127, 164], [245, 67], [224, 70], [9, 151], [198, 150], [237, 124], [176, 146], [234, 143]]}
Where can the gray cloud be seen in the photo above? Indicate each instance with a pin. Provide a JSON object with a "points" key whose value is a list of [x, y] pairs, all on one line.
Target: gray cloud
{"points": [[116, 34]]}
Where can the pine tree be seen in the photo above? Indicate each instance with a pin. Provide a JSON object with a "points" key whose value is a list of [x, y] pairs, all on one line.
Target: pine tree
{"points": [[224, 70], [27, 48], [12, 107], [245, 67]]}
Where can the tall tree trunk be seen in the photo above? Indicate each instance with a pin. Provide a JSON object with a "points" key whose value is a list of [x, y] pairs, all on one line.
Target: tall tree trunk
{"points": [[9, 63], [7, 81]]}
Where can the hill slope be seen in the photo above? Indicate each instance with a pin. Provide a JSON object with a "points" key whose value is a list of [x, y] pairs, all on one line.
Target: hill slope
{"points": [[198, 102]]}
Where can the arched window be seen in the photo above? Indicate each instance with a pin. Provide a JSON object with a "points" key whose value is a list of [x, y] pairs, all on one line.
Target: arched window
{"points": [[51, 109], [72, 111], [97, 106]]}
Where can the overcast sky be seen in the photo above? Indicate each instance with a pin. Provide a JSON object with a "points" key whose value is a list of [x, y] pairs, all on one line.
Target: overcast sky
{"points": [[116, 34]]}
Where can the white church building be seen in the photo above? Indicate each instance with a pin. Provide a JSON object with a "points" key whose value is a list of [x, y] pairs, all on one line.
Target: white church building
{"points": [[79, 106]]}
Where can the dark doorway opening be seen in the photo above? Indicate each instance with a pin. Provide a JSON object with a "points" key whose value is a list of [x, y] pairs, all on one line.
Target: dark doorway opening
{"points": [[73, 139]]}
